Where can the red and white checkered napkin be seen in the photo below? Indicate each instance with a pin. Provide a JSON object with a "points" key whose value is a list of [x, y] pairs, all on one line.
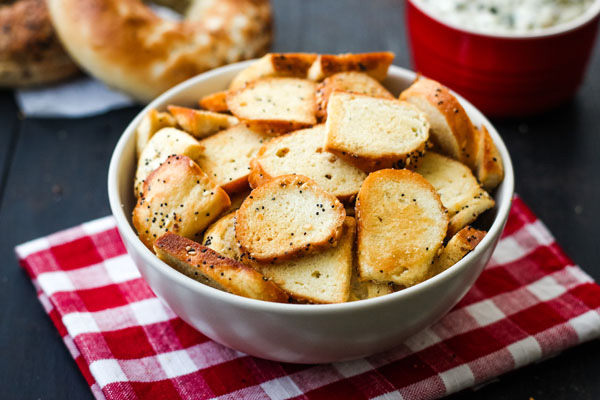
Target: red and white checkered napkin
{"points": [[530, 302]]}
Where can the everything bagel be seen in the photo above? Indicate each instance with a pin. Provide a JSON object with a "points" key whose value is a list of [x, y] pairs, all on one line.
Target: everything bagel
{"points": [[125, 44], [30, 52]]}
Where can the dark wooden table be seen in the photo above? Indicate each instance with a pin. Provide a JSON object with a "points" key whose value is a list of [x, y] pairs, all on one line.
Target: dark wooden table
{"points": [[53, 176]]}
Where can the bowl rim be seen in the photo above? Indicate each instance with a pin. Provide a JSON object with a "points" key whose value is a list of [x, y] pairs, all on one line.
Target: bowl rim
{"points": [[590, 14], [126, 230]]}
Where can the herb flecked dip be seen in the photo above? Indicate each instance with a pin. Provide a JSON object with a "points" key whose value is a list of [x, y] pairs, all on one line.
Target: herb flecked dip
{"points": [[506, 16]]}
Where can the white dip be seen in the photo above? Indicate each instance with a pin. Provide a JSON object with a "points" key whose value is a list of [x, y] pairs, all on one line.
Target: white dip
{"points": [[506, 16]]}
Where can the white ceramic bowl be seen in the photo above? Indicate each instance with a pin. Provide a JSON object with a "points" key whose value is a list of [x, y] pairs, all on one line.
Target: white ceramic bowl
{"points": [[298, 333]]}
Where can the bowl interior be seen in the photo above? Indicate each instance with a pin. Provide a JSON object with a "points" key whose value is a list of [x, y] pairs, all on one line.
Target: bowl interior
{"points": [[122, 200]]}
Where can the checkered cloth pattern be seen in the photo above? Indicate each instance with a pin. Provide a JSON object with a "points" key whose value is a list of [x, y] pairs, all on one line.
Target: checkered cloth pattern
{"points": [[531, 302]]}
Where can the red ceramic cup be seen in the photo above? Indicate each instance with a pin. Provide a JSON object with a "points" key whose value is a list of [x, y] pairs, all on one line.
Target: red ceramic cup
{"points": [[504, 74]]}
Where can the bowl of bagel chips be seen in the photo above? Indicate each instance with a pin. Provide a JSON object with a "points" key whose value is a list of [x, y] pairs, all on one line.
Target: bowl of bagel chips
{"points": [[310, 208]]}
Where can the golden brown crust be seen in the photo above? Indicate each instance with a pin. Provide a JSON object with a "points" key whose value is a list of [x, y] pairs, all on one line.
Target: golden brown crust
{"points": [[177, 197], [201, 123], [236, 185], [456, 118], [197, 262], [463, 242], [375, 64], [489, 166], [371, 163], [293, 65], [257, 175], [353, 82], [401, 225], [30, 52], [125, 44], [286, 217], [274, 127], [216, 102]]}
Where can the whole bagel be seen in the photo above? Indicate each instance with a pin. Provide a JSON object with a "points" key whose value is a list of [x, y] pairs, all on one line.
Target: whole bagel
{"points": [[125, 44], [30, 52]]}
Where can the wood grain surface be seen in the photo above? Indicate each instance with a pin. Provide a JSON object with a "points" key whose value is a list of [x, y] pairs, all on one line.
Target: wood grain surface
{"points": [[53, 176]]}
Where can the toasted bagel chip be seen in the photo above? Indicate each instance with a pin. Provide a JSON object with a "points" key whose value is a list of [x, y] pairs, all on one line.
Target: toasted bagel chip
{"points": [[286, 217], [165, 142], [201, 123], [177, 197], [401, 226], [374, 133], [353, 82], [275, 105], [302, 152], [213, 269]]}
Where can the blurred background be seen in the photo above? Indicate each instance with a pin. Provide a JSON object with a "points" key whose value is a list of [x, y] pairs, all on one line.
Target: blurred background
{"points": [[53, 175]]}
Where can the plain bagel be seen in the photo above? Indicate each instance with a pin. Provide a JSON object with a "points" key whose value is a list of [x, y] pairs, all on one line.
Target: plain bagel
{"points": [[128, 46], [30, 52]]}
